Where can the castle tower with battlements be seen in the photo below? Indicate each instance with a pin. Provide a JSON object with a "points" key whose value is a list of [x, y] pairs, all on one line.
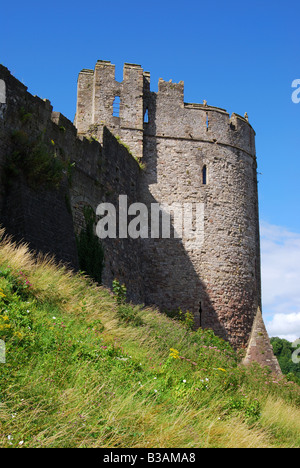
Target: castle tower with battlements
{"points": [[198, 170], [194, 155]]}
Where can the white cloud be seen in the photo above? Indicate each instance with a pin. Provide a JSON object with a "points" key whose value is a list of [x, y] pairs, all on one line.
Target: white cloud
{"points": [[285, 326], [280, 258]]}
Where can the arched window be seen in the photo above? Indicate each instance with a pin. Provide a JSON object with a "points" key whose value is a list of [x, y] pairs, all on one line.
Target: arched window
{"points": [[116, 107], [204, 175]]}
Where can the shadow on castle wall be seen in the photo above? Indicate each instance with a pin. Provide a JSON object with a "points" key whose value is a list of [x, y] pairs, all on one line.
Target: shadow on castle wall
{"points": [[156, 272]]}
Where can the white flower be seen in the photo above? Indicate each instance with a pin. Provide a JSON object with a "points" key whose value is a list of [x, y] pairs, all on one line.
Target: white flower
{"points": [[54, 318], [184, 381], [28, 311], [21, 442], [155, 391]]}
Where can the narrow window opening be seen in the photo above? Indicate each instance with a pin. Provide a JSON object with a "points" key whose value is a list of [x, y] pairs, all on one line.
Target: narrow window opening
{"points": [[116, 107], [146, 116], [206, 121], [204, 175], [200, 314]]}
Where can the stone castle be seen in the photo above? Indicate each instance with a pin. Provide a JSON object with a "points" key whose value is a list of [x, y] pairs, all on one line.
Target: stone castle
{"points": [[156, 149]]}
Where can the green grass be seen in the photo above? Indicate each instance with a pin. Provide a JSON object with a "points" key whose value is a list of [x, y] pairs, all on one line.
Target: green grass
{"points": [[84, 371]]}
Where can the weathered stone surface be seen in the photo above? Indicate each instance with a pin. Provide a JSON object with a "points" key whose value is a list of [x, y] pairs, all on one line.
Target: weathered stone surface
{"points": [[260, 349], [216, 277], [194, 154]]}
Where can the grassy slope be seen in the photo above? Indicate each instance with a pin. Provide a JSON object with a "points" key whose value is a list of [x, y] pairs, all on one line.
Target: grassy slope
{"points": [[80, 374]]}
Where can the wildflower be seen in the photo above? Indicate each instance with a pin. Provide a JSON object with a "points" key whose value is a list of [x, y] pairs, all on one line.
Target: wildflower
{"points": [[155, 391], [174, 353], [21, 442], [184, 381], [223, 370], [18, 335]]}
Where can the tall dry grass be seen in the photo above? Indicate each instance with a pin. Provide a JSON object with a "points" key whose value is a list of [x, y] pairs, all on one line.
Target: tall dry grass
{"points": [[53, 401]]}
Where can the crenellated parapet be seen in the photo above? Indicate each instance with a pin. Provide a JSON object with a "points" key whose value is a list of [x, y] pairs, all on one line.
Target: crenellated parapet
{"points": [[140, 112], [103, 101], [172, 117]]}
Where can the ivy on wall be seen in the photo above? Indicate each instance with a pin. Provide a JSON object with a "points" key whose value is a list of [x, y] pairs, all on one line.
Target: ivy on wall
{"points": [[89, 247], [37, 161]]}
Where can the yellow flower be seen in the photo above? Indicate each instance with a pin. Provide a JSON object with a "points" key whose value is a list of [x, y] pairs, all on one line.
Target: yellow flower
{"points": [[18, 335], [174, 353], [2, 293], [5, 317], [223, 370]]}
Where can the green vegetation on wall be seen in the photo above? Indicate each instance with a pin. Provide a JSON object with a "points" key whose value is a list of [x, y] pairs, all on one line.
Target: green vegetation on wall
{"points": [[90, 250], [40, 163]]}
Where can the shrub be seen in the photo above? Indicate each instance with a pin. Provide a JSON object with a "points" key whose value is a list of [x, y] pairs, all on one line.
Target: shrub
{"points": [[120, 291], [187, 318]]}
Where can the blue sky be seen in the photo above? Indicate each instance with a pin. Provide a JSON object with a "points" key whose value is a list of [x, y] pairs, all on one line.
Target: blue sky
{"points": [[241, 56]]}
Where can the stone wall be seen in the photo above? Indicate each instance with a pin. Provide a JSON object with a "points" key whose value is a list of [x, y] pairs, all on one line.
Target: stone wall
{"points": [[97, 90], [115, 173], [260, 349], [48, 219], [42, 217], [216, 275], [195, 156]]}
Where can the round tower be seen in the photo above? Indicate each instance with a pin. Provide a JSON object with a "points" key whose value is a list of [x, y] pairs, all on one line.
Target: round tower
{"points": [[199, 157], [201, 169]]}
